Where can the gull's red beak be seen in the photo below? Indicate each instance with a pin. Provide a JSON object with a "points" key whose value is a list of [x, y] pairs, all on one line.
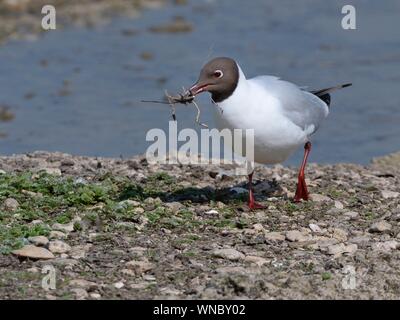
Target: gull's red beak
{"points": [[198, 88]]}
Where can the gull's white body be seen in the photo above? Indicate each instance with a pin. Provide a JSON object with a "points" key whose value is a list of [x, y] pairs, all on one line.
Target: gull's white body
{"points": [[282, 115]]}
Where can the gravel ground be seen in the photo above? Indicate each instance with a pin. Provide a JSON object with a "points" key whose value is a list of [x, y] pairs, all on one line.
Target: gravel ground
{"points": [[125, 229]]}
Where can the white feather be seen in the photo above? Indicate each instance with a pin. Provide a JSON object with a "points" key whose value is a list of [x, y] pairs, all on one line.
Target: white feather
{"points": [[282, 115]]}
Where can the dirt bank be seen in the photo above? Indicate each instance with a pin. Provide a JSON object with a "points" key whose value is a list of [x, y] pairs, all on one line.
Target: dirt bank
{"points": [[125, 229]]}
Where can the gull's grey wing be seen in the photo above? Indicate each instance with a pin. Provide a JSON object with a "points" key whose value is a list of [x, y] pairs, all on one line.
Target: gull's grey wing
{"points": [[302, 107]]}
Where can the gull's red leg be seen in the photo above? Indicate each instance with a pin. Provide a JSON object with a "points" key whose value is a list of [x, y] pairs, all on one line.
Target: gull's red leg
{"points": [[301, 191], [252, 203]]}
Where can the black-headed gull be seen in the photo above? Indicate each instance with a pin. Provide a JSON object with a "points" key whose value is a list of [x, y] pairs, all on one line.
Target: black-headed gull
{"points": [[283, 115]]}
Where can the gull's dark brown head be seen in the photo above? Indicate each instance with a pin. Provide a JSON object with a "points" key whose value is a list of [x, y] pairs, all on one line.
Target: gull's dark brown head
{"points": [[219, 76]]}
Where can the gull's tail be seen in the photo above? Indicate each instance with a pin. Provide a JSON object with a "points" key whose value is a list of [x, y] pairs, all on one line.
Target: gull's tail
{"points": [[324, 95]]}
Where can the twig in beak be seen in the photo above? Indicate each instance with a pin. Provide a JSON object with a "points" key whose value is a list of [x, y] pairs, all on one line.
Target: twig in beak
{"points": [[185, 98], [198, 115]]}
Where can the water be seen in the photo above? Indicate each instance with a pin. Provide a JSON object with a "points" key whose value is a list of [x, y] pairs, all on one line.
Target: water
{"points": [[97, 111]]}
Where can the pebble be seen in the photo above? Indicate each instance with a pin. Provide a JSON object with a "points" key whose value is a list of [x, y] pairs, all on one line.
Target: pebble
{"points": [[274, 236], [387, 194], [386, 245], [319, 198], [85, 284], [40, 241], [139, 267], [259, 261], [360, 240], [58, 246], [33, 270], [52, 171], [339, 234], [127, 203], [79, 251], [211, 212], [80, 294], [351, 214], [258, 227], [174, 206], [149, 277], [229, 254], [57, 235], [68, 227], [33, 252], [119, 285], [338, 249], [296, 236], [138, 210], [10, 204], [339, 205], [315, 228], [380, 226], [35, 222], [95, 295]]}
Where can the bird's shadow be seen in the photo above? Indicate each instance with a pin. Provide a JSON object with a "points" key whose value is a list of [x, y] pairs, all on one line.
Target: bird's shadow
{"points": [[227, 195]]}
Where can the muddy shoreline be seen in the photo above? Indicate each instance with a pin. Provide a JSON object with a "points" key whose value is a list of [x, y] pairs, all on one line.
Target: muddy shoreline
{"points": [[21, 19], [125, 229]]}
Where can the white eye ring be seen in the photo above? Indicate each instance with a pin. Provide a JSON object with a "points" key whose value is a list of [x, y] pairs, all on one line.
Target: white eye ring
{"points": [[218, 73]]}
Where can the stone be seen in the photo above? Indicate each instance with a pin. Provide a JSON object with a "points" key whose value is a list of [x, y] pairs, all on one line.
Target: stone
{"points": [[351, 214], [274, 236], [259, 261], [33, 252], [380, 226], [80, 294], [128, 272], [338, 249], [139, 266], [57, 235], [314, 228], [61, 262], [95, 295], [139, 251], [386, 245], [127, 203], [40, 241], [339, 234], [319, 198], [68, 227], [10, 204], [79, 251], [211, 212], [360, 240], [339, 205], [387, 194], [36, 222], [85, 284], [258, 227], [296, 236], [33, 270], [119, 285], [174, 206], [58, 246], [52, 171], [229, 254]]}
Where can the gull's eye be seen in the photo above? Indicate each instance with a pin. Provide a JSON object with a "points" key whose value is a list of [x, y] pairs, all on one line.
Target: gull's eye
{"points": [[218, 74]]}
